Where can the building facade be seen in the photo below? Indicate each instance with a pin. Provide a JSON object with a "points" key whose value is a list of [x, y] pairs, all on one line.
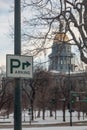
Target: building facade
{"points": [[61, 58]]}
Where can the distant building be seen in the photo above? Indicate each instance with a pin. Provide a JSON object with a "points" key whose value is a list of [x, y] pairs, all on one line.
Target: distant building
{"points": [[61, 58]]}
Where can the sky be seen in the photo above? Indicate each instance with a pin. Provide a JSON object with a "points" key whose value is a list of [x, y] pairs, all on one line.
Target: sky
{"points": [[6, 22], [6, 19]]}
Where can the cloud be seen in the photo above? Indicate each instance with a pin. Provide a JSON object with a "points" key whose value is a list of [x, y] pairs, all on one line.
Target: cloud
{"points": [[4, 7], [3, 56], [6, 44]]}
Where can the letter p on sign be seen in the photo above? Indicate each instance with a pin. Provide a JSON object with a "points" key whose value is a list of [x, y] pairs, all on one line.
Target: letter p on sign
{"points": [[15, 63]]}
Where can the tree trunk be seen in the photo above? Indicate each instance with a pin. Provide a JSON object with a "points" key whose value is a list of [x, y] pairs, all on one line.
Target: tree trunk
{"points": [[43, 117], [64, 104], [51, 113], [32, 116], [38, 115], [78, 115], [83, 115], [55, 114]]}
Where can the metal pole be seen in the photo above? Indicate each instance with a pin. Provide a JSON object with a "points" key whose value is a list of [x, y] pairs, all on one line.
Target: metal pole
{"points": [[70, 94], [17, 51], [70, 109]]}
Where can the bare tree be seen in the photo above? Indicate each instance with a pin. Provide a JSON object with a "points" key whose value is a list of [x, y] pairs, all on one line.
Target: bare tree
{"points": [[50, 16], [44, 85], [6, 95]]}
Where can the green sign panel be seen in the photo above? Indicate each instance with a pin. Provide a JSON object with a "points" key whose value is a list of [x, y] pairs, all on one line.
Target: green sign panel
{"points": [[19, 66], [84, 100]]}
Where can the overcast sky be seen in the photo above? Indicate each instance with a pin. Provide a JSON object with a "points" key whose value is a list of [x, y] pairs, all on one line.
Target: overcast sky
{"points": [[6, 19], [6, 43]]}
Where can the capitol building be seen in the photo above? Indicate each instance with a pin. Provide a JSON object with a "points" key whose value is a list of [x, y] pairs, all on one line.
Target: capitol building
{"points": [[61, 58]]}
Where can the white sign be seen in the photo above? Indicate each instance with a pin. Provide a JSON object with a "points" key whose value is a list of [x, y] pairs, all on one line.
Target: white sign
{"points": [[19, 66]]}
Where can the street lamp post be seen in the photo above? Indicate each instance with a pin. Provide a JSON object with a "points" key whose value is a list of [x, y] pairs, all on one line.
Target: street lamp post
{"points": [[70, 109], [70, 94]]}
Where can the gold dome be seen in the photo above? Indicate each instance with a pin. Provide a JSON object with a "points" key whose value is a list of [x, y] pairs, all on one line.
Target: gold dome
{"points": [[60, 37]]}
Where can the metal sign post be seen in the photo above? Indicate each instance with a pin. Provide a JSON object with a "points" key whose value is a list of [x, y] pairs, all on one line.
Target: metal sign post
{"points": [[17, 51]]}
